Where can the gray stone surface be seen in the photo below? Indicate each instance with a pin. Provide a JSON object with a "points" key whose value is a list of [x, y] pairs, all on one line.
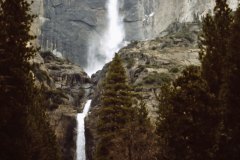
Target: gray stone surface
{"points": [[67, 26], [71, 26], [145, 19], [64, 91]]}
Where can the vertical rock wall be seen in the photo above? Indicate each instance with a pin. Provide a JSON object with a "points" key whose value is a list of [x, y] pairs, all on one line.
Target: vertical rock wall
{"points": [[71, 26], [145, 19]]}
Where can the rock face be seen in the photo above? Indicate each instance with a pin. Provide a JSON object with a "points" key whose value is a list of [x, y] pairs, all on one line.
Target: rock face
{"points": [[149, 64], [63, 84], [69, 24], [72, 26], [145, 19]]}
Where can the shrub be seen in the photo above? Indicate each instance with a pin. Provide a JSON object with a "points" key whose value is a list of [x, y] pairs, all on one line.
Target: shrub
{"points": [[174, 70], [157, 78]]}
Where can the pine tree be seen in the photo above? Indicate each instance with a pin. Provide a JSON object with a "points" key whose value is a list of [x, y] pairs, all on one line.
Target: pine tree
{"points": [[124, 129], [137, 138], [188, 119], [220, 63], [230, 96], [25, 133], [143, 136], [213, 44], [115, 111]]}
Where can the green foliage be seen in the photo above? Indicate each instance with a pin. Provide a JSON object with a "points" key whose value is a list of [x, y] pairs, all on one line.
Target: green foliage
{"points": [[213, 44], [230, 96], [188, 118], [115, 109], [157, 78], [199, 113], [220, 61], [124, 131], [174, 70], [25, 132]]}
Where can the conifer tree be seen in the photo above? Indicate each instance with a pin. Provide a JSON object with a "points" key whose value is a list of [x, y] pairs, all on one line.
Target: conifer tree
{"points": [[188, 119], [115, 112], [213, 44], [220, 64], [124, 129], [143, 137], [230, 96], [25, 133], [137, 139]]}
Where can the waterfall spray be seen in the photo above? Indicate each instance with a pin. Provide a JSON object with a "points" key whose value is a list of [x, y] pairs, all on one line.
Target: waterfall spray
{"points": [[110, 42], [115, 34]]}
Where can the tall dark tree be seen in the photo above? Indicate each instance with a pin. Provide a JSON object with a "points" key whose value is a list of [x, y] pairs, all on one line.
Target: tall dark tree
{"points": [[143, 139], [230, 96], [213, 44], [188, 119], [24, 130], [124, 129], [138, 136], [220, 64], [115, 112]]}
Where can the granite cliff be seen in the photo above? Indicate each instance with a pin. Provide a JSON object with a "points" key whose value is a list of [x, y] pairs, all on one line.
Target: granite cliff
{"points": [[63, 86], [71, 26]]}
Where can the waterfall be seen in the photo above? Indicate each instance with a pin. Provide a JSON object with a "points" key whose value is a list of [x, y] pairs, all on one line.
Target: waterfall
{"points": [[110, 42], [81, 155]]}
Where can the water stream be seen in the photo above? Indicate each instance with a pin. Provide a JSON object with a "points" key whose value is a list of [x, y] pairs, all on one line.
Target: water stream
{"points": [[111, 42], [81, 132]]}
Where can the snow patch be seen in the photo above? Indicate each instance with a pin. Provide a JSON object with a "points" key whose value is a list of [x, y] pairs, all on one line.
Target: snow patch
{"points": [[43, 19], [58, 54]]}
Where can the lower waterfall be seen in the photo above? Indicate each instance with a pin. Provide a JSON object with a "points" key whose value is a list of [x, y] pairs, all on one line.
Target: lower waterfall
{"points": [[81, 154]]}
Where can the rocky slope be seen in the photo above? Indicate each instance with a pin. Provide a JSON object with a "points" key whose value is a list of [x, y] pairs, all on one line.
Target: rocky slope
{"points": [[149, 64], [71, 26], [63, 84]]}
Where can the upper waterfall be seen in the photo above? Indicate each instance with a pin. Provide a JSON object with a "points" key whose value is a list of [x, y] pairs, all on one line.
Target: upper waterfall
{"points": [[111, 41], [115, 32]]}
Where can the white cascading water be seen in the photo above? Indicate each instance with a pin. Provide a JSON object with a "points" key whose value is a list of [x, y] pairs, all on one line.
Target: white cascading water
{"points": [[111, 42], [81, 132]]}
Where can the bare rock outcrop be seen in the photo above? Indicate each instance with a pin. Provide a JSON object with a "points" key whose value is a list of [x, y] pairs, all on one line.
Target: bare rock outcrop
{"points": [[64, 89]]}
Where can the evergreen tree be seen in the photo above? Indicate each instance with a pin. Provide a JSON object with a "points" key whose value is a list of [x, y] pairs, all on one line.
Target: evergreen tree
{"points": [[220, 64], [137, 138], [143, 136], [124, 129], [188, 119], [213, 44], [25, 133], [115, 112], [230, 96]]}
